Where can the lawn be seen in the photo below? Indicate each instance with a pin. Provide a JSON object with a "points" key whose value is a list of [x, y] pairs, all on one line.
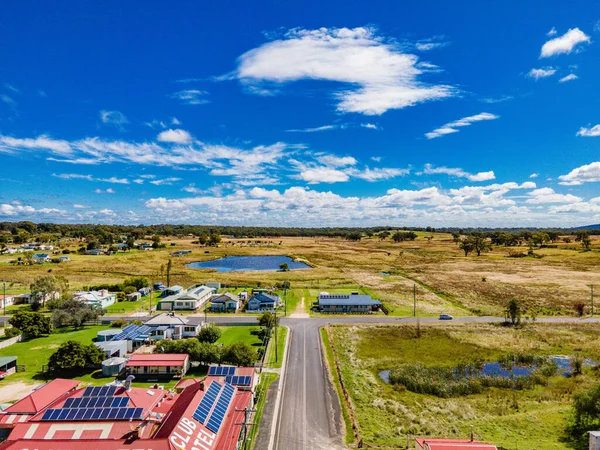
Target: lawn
{"points": [[529, 418], [270, 360], [266, 379], [230, 335], [36, 352]]}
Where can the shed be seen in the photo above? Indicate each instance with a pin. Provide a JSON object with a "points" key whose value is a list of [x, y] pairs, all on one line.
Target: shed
{"points": [[113, 366], [113, 348], [107, 335], [134, 296], [8, 365], [213, 284]]}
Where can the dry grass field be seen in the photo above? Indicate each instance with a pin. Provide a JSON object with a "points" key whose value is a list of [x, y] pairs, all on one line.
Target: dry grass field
{"points": [[447, 281]]}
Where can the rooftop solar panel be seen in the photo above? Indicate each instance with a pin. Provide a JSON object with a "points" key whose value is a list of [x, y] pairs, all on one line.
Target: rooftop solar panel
{"points": [[68, 403], [237, 380], [218, 414], [71, 415], [96, 413], [212, 370], [207, 402], [63, 414], [47, 414]]}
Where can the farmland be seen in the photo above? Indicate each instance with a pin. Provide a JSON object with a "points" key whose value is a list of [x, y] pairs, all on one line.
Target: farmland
{"points": [[446, 281]]}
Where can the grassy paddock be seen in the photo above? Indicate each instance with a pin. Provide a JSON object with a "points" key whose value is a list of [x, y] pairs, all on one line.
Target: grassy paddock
{"points": [[230, 335], [530, 418]]}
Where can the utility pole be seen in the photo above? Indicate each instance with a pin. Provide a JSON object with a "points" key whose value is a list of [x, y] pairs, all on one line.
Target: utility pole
{"points": [[4, 298], [592, 296], [276, 335], [245, 424], [415, 300]]}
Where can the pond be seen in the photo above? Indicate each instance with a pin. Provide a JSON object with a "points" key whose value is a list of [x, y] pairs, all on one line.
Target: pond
{"points": [[495, 369], [247, 263]]}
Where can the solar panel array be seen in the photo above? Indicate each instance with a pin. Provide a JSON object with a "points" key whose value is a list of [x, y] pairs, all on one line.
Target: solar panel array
{"points": [[238, 380], [131, 332], [218, 413], [96, 402], [207, 402], [221, 370], [71, 414], [99, 391]]}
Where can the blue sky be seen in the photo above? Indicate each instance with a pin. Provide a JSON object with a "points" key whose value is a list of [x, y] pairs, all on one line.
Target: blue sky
{"points": [[304, 114]]}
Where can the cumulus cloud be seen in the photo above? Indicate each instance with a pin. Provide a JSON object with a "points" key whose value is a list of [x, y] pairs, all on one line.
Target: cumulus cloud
{"points": [[534, 175], [165, 181], [337, 161], [589, 132], [191, 96], [585, 174], [378, 174], [176, 136], [375, 73], [547, 195], [569, 77], [370, 126], [107, 191], [541, 73], [16, 209], [565, 43], [323, 175], [552, 32], [452, 127], [460, 173], [114, 118]]}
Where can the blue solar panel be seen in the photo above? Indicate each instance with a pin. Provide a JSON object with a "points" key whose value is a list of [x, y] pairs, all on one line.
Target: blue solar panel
{"points": [[207, 402], [122, 412], [212, 370], [218, 414], [63, 414], [96, 413], [129, 413], [104, 414], [68, 403], [124, 334], [47, 414], [237, 380], [71, 415]]}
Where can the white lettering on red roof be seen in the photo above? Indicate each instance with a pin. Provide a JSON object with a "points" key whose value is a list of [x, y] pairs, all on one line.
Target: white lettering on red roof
{"points": [[185, 429]]}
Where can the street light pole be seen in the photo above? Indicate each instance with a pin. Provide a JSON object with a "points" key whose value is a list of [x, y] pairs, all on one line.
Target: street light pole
{"points": [[4, 298]]}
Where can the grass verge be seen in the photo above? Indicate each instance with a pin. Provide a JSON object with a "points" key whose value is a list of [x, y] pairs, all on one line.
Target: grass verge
{"points": [[270, 360], [266, 379]]}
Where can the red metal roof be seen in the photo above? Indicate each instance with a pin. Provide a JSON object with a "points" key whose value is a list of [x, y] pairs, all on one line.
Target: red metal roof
{"points": [[160, 359], [42, 397], [86, 444], [453, 444]]}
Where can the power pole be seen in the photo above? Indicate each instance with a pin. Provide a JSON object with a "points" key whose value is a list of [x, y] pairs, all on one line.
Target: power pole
{"points": [[276, 335], [246, 424], [415, 300], [592, 296]]}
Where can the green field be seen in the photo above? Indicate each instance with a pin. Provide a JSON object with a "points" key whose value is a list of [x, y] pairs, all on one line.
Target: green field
{"points": [[230, 335], [530, 418]]}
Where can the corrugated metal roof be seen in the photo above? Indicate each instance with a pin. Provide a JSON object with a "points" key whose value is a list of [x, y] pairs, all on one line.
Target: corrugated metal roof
{"points": [[351, 300]]}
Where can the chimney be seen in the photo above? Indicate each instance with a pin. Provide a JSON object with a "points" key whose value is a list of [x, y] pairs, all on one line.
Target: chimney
{"points": [[202, 385], [127, 383]]}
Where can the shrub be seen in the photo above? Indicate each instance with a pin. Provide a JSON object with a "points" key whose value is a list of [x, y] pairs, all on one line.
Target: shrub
{"points": [[209, 333], [119, 323], [11, 332]]}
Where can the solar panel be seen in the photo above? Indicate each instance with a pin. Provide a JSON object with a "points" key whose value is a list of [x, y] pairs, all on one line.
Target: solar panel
{"points": [[218, 414], [47, 414], [129, 413], [79, 413], [231, 370], [212, 370], [207, 402], [63, 414], [104, 414], [125, 332], [122, 412], [70, 416], [111, 390], [68, 403], [96, 413], [237, 380]]}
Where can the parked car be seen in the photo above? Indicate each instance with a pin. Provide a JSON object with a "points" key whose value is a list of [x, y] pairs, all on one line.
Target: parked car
{"points": [[445, 317]]}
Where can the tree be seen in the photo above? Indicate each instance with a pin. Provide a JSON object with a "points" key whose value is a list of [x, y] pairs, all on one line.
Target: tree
{"points": [[46, 287], [155, 241], [284, 267], [28, 257], [73, 356], [466, 245], [480, 244], [513, 311], [268, 320], [384, 235], [239, 354], [354, 236], [539, 239], [73, 313], [31, 324], [586, 242], [214, 239], [579, 308], [586, 416], [137, 282], [209, 333]]}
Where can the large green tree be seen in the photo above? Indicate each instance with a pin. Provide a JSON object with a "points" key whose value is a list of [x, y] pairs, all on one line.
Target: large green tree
{"points": [[209, 333], [239, 354], [73, 356], [31, 324], [46, 287]]}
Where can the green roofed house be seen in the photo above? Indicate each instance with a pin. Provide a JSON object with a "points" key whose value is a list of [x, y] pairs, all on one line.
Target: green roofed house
{"points": [[8, 365], [192, 299], [347, 303]]}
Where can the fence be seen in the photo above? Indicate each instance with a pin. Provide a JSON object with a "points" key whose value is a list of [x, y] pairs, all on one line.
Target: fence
{"points": [[11, 341]]}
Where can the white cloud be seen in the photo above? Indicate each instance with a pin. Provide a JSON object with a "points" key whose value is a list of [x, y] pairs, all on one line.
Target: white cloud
{"points": [[323, 175], [16, 209], [176, 136], [73, 176], [79, 206], [41, 142], [552, 32], [429, 45], [456, 172], [114, 180], [165, 181], [336, 161], [500, 99], [115, 118], [175, 121], [139, 181], [191, 96], [588, 173], [378, 174], [541, 73], [313, 130], [589, 132], [534, 175], [547, 195], [569, 77], [107, 191], [377, 75], [565, 43], [376, 158], [8, 100], [370, 126], [452, 127]]}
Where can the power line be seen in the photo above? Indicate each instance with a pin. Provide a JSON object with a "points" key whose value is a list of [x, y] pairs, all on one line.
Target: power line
{"points": [[246, 424]]}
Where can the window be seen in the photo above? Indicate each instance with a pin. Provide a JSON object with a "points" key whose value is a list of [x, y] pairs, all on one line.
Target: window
{"points": [[189, 329]]}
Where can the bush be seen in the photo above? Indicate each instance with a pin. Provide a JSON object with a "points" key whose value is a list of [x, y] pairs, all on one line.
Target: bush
{"points": [[11, 332], [209, 333], [129, 290], [119, 323], [66, 251], [73, 356], [31, 324]]}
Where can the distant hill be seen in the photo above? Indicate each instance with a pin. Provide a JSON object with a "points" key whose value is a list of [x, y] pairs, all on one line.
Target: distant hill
{"points": [[589, 227]]}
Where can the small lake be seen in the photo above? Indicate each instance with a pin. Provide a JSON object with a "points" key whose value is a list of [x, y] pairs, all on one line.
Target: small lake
{"points": [[495, 369], [247, 263]]}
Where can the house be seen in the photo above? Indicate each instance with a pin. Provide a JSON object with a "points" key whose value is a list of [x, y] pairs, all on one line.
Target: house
{"points": [[64, 259], [158, 365], [192, 299], [347, 303], [144, 291], [134, 297], [121, 246], [45, 247], [7, 300], [213, 284], [451, 444], [225, 302], [102, 299], [179, 326], [181, 252], [29, 299], [113, 349], [263, 302], [9, 250], [244, 296], [95, 252], [40, 258], [172, 290]]}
